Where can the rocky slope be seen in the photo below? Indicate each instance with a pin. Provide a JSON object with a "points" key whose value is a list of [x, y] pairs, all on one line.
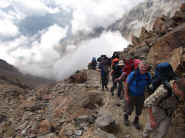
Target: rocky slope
{"points": [[11, 75], [165, 42], [144, 15], [68, 109]]}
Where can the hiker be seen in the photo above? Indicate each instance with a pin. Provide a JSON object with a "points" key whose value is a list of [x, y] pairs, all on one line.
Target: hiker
{"points": [[163, 102], [134, 88], [116, 73], [93, 63], [104, 72]]}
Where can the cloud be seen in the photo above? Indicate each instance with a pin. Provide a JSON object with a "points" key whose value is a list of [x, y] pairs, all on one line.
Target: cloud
{"points": [[107, 43], [88, 14], [31, 33]]}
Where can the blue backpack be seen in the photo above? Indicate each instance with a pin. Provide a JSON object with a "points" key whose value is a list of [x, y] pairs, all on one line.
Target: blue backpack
{"points": [[163, 74]]}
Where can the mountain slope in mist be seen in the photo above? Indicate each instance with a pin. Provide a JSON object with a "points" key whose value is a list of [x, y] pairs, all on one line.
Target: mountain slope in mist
{"points": [[144, 15]]}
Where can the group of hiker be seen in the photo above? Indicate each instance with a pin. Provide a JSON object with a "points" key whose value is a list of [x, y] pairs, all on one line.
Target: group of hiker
{"points": [[132, 78]]}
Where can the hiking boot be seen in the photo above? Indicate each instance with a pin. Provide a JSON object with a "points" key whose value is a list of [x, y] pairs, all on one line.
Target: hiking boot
{"points": [[136, 123], [126, 121]]}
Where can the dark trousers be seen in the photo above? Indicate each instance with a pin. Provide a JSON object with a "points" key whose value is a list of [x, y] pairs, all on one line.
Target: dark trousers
{"points": [[116, 84], [134, 101], [104, 79]]}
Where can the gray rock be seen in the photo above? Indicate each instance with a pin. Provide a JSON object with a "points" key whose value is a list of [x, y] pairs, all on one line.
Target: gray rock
{"points": [[78, 132], [106, 123], [68, 132]]}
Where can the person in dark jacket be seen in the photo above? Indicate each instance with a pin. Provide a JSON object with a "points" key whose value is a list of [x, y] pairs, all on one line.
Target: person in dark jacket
{"points": [[116, 73], [104, 72]]}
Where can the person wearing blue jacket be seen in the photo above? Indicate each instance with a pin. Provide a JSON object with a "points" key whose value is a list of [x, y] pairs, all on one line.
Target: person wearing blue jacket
{"points": [[135, 86]]}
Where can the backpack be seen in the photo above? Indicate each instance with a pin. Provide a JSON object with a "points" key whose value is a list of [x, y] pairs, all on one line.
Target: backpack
{"points": [[163, 74], [117, 70], [131, 65]]}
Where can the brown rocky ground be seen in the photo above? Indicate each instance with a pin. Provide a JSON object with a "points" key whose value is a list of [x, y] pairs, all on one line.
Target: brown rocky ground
{"points": [[64, 110]]}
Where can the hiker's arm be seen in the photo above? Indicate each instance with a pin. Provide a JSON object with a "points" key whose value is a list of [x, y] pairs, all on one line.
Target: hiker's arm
{"points": [[154, 99], [122, 75], [152, 119], [126, 91]]}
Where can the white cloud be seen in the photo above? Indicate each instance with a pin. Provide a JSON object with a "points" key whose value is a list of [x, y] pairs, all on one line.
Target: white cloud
{"points": [[8, 28], [91, 13], [107, 43], [36, 28]]}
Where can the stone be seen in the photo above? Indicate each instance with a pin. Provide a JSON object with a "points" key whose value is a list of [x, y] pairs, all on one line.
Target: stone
{"points": [[45, 126], [144, 34], [182, 8], [135, 40], [106, 123], [68, 132], [161, 51], [79, 77], [51, 135], [78, 132], [159, 26]]}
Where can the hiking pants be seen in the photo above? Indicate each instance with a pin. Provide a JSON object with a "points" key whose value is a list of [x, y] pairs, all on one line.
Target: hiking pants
{"points": [[104, 79], [134, 101], [159, 132], [115, 84], [163, 122]]}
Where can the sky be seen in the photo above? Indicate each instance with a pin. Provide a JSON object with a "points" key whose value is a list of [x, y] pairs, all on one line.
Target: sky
{"points": [[31, 33]]}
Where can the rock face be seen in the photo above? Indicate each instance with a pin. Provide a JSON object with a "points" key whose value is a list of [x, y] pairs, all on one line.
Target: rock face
{"points": [[144, 15], [164, 43]]}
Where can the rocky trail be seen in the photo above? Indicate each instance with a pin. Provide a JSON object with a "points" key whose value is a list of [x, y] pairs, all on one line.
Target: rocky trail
{"points": [[64, 110]]}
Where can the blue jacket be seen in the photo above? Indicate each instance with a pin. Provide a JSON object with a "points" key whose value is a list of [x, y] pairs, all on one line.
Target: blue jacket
{"points": [[137, 82]]}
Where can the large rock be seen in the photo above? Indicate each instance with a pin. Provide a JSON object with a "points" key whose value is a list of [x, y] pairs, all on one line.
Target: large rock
{"points": [[159, 25], [135, 40], [106, 123], [182, 8], [162, 49], [144, 34], [179, 17], [79, 77]]}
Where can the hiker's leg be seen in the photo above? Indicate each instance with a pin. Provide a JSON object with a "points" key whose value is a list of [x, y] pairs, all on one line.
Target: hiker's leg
{"points": [[106, 80], [162, 128], [120, 87], [139, 102], [129, 106], [148, 129], [113, 84]]}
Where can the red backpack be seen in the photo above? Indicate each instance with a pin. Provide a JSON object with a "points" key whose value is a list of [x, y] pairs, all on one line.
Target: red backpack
{"points": [[130, 65]]}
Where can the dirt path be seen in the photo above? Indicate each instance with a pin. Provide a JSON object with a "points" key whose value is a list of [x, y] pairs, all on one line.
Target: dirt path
{"points": [[114, 106]]}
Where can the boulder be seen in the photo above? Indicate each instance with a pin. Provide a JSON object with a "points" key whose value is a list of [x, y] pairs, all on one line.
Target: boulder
{"points": [[144, 34], [161, 51], [106, 123], [45, 126], [160, 26], [135, 40], [179, 17], [79, 77], [182, 8]]}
